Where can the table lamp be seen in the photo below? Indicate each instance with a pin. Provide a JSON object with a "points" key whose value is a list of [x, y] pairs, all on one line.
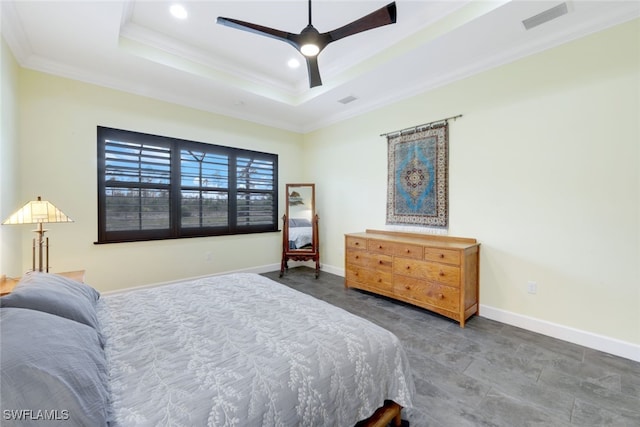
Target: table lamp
{"points": [[38, 212]]}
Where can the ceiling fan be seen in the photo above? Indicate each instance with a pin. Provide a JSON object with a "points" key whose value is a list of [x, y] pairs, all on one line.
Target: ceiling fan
{"points": [[310, 41]]}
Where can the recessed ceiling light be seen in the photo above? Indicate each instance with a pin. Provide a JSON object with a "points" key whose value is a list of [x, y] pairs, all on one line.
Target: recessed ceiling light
{"points": [[293, 63], [178, 11]]}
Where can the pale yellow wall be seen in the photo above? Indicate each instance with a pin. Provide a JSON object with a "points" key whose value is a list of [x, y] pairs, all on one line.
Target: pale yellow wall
{"points": [[58, 119], [543, 172], [9, 198]]}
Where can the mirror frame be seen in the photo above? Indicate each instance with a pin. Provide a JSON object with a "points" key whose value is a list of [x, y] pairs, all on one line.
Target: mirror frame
{"points": [[309, 251], [301, 197]]}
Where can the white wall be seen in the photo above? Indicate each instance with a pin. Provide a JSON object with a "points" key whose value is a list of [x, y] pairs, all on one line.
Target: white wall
{"points": [[58, 120], [9, 198], [543, 172]]}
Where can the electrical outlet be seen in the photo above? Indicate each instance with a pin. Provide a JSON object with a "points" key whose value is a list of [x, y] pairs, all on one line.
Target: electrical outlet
{"points": [[532, 287]]}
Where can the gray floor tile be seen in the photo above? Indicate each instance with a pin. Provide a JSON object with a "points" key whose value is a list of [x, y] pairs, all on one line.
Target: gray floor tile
{"points": [[489, 373], [615, 362], [508, 412], [523, 389], [587, 414]]}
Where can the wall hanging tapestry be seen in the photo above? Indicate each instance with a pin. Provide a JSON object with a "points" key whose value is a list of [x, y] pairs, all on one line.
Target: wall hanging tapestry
{"points": [[417, 183]]}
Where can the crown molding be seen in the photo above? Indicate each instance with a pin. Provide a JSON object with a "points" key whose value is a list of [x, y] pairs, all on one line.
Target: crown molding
{"points": [[18, 42], [14, 33]]}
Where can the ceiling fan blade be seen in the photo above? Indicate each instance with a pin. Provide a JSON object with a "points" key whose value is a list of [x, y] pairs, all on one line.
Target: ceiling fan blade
{"points": [[257, 29], [314, 71], [383, 16], [310, 36]]}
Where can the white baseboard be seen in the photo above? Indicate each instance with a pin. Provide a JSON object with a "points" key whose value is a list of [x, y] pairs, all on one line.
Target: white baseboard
{"points": [[333, 270], [259, 269], [323, 267], [588, 339]]}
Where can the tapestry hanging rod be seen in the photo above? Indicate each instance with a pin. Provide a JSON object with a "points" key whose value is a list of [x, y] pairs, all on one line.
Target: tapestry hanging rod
{"points": [[425, 125]]}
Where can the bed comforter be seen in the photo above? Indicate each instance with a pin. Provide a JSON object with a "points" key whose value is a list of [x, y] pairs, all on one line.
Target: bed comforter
{"points": [[300, 237], [243, 350]]}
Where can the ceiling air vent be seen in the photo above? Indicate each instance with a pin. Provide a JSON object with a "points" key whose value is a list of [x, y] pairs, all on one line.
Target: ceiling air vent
{"points": [[546, 16], [347, 100]]}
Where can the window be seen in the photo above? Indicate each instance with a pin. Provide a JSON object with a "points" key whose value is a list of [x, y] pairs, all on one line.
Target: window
{"points": [[153, 187]]}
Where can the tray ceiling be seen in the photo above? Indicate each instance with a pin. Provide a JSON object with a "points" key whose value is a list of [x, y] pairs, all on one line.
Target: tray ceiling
{"points": [[139, 47]]}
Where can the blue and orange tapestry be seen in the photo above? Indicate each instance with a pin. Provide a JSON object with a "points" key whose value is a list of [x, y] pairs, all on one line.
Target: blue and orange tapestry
{"points": [[417, 192]]}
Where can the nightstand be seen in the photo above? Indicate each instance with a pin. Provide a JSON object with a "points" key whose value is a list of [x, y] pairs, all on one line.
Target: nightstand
{"points": [[7, 283]]}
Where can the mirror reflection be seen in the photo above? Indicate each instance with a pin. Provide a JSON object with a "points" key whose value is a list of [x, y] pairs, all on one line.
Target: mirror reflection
{"points": [[300, 214]]}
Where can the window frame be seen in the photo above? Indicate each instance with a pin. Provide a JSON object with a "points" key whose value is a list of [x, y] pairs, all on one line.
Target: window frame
{"points": [[175, 188]]}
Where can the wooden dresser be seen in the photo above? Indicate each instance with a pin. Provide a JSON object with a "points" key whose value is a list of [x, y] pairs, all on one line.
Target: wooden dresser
{"points": [[439, 273]]}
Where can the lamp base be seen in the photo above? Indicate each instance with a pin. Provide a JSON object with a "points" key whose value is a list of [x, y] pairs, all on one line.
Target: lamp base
{"points": [[40, 243]]}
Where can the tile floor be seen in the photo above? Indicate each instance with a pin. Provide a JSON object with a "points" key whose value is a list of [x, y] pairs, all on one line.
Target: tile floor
{"points": [[489, 373]]}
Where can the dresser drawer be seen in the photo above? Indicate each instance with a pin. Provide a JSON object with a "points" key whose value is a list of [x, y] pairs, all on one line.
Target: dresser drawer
{"points": [[422, 292], [446, 256], [442, 273], [409, 267], [371, 278], [380, 262], [369, 260], [355, 242], [357, 257], [446, 274], [381, 247], [406, 250]]}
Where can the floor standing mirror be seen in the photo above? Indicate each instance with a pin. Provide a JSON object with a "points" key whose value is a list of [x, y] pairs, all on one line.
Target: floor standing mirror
{"points": [[300, 227]]}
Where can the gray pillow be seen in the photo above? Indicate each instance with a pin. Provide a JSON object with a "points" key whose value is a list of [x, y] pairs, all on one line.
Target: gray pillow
{"points": [[51, 367], [57, 295]]}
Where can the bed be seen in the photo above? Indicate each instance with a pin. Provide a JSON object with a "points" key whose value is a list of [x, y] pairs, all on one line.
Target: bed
{"points": [[300, 233], [233, 350]]}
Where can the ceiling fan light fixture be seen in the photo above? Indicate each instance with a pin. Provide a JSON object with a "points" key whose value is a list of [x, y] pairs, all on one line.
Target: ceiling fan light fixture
{"points": [[309, 49]]}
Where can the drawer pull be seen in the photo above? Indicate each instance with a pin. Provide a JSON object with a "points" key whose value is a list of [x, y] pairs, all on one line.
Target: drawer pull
{"points": [[441, 255], [407, 287], [440, 296], [408, 251], [357, 256], [380, 261], [379, 280], [441, 273], [408, 267], [357, 243], [379, 246]]}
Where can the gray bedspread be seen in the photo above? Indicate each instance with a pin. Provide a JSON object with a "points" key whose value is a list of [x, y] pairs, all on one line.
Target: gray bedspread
{"points": [[300, 236], [243, 350]]}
